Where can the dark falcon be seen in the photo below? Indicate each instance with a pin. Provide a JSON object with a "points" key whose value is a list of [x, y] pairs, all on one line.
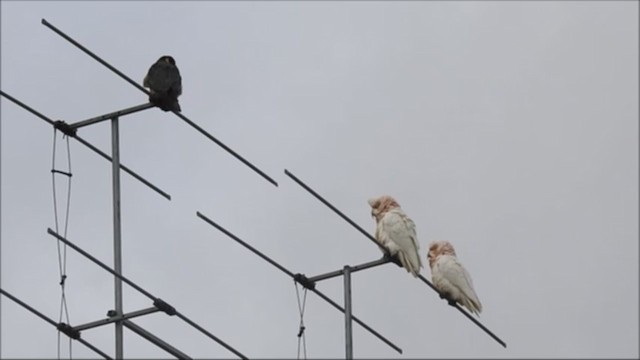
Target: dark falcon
{"points": [[164, 83]]}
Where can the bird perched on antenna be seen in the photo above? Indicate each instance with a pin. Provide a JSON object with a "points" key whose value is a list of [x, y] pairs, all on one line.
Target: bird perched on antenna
{"points": [[450, 277], [164, 83], [396, 233]]}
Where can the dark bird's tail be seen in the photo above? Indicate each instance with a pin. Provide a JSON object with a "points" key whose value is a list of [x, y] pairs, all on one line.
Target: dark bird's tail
{"points": [[166, 103]]}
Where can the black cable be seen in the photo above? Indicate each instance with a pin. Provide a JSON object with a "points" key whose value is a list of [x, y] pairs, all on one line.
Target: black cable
{"points": [[62, 259], [301, 329]]}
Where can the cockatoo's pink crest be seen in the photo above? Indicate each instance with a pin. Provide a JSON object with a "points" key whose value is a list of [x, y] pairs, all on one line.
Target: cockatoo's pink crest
{"points": [[439, 248], [450, 278], [379, 206]]}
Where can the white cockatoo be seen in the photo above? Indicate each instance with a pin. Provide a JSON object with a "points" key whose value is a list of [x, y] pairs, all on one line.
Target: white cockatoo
{"points": [[396, 233], [450, 277]]}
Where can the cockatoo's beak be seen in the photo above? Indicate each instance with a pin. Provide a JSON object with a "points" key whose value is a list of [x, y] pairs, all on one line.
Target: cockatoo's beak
{"points": [[371, 203]]}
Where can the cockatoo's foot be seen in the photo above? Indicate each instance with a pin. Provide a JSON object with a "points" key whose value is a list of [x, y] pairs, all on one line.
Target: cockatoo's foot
{"points": [[393, 259], [449, 301]]}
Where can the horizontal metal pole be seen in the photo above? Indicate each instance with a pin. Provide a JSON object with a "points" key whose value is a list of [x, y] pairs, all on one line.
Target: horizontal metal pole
{"points": [[155, 340], [110, 320], [370, 264], [291, 275], [111, 115], [180, 115], [353, 269], [326, 276], [45, 318], [87, 144], [146, 293]]}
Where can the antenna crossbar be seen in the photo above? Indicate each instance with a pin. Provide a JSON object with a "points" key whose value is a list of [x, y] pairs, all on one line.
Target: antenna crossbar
{"points": [[112, 319], [111, 115], [352, 269]]}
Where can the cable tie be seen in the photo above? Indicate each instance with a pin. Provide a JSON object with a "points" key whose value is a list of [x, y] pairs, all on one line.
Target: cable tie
{"points": [[64, 127], [62, 172], [304, 281], [163, 306], [301, 332], [68, 330]]}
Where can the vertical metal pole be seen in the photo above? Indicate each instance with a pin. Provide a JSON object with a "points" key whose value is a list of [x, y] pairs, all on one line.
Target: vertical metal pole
{"points": [[117, 248], [347, 313]]}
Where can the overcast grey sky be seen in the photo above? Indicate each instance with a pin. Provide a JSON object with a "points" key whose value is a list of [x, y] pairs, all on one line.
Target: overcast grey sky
{"points": [[508, 128]]}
